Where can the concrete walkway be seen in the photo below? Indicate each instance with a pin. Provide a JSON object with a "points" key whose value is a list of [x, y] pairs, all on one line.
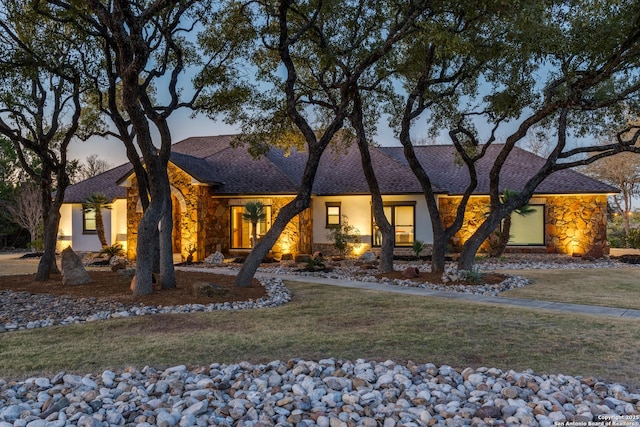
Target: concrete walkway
{"points": [[513, 302]]}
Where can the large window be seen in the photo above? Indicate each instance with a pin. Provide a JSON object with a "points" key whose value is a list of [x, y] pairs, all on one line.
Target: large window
{"points": [[402, 218], [89, 222], [528, 230], [242, 230], [333, 214]]}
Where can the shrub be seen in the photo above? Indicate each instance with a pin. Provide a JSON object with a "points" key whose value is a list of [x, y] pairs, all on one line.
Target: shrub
{"points": [[344, 236], [634, 238], [113, 250], [418, 247]]}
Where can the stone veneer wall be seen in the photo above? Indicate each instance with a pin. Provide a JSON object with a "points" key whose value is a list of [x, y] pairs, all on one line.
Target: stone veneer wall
{"points": [[573, 224], [196, 207], [205, 221], [294, 239], [133, 219], [477, 207]]}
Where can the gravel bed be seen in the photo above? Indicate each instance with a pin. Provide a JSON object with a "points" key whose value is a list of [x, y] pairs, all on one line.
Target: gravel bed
{"points": [[326, 393]]}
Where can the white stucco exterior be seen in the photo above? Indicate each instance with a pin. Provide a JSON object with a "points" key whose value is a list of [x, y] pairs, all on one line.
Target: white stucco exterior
{"points": [[358, 212], [70, 232]]}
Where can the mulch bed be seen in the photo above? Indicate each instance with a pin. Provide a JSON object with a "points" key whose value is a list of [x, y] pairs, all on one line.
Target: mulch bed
{"points": [[112, 286]]}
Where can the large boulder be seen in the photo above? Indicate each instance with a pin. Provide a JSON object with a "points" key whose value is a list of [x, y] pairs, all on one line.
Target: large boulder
{"points": [[215, 258], [118, 263], [73, 272], [367, 257]]}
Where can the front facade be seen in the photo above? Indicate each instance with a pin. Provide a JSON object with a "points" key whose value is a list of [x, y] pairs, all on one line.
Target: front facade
{"points": [[211, 182]]}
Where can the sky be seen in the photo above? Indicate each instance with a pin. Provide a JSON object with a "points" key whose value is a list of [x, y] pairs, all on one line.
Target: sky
{"points": [[182, 126]]}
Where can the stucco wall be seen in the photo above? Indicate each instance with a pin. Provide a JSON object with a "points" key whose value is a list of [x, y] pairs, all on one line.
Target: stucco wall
{"points": [[358, 211]]}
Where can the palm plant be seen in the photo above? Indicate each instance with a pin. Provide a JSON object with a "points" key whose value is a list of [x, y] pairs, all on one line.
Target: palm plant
{"points": [[95, 203], [418, 247], [503, 235], [254, 212]]}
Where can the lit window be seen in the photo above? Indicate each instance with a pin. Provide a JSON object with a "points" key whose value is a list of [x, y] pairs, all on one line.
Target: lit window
{"points": [[242, 230], [402, 219], [527, 230], [333, 214], [88, 222]]}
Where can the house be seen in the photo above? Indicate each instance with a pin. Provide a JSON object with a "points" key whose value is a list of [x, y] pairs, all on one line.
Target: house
{"points": [[211, 181]]}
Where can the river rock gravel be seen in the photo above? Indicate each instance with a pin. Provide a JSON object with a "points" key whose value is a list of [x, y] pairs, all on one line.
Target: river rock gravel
{"points": [[325, 393]]}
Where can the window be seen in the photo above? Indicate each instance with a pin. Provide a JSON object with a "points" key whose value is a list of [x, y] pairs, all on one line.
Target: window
{"points": [[89, 222], [242, 230], [528, 230], [402, 219], [333, 214]]}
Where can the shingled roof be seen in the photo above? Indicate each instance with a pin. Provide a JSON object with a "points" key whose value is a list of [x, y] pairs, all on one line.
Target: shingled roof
{"points": [[448, 173], [106, 183], [233, 171]]}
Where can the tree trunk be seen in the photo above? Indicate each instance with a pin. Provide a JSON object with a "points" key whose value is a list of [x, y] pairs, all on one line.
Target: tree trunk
{"points": [[47, 264], [627, 227], [471, 246], [50, 223], [439, 251], [254, 234], [286, 214], [388, 236], [257, 254], [167, 272], [505, 234], [146, 256], [100, 228]]}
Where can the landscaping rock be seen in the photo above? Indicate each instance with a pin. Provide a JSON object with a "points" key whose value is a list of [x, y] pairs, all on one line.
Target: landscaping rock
{"points": [[215, 259], [310, 393], [490, 412], [211, 290], [73, 272], [368, 257]]}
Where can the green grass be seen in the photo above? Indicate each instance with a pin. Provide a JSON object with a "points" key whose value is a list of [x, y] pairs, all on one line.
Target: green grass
{"points": [[324, 321], [611, 287]]}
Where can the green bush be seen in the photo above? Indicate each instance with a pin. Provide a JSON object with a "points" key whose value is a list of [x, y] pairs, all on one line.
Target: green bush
{"points": [[634, 238], [418, 247], [343, 236], [113, 250]]}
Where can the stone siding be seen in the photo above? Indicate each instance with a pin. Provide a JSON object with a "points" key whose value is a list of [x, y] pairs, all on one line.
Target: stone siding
{"points": [[573, 224]]}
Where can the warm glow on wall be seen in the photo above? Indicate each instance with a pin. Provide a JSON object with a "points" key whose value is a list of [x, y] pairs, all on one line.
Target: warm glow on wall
{"points": [[358, 249], [285, 244]]}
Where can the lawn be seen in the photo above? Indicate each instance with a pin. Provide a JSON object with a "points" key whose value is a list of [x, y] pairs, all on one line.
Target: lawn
{"points": [[324, 321], [611, 287]]}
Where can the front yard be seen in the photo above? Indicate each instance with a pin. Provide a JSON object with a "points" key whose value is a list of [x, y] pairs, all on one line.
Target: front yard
{"points": [[324, 321], [612, 287]]}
